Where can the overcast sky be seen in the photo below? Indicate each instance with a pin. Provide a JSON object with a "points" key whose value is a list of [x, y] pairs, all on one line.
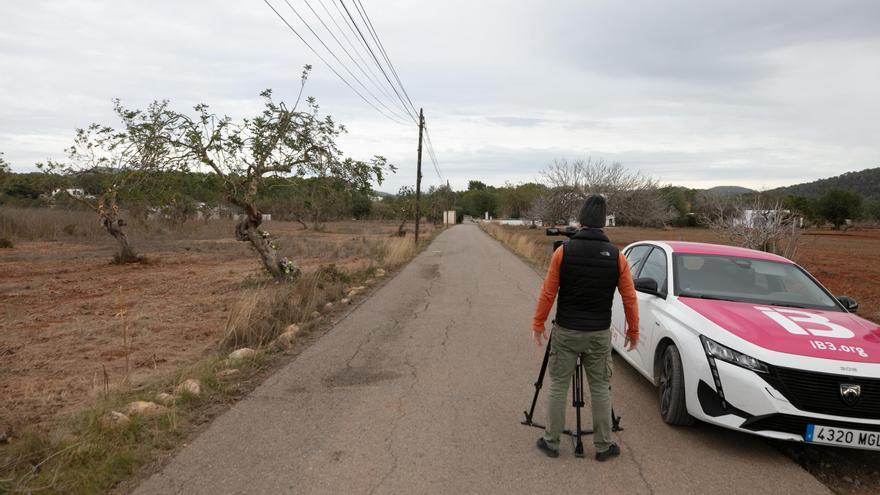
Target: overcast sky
{"points": [[753, 93]]}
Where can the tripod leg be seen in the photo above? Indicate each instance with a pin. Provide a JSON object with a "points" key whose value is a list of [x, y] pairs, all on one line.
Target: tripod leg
{"points": [[578, 399], [530, 414]]}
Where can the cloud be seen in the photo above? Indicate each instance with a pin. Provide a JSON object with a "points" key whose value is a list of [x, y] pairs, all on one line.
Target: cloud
{"points": [[700, 93]]}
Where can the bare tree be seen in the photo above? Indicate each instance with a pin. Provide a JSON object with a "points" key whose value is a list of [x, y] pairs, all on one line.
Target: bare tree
{"points": [[755, 223], [633, 198], [122, 160], [280, 141]]}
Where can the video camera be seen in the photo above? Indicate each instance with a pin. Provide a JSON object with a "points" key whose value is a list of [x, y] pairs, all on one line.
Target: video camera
{"points": [[567, 232]]}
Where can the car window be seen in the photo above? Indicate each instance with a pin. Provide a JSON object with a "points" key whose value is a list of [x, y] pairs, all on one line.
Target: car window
{"points": [[748, 280], [635, 257], [655, 267]]}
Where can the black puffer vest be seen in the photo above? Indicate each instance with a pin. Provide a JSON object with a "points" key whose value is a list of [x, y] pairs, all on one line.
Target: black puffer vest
{"points": [[587, 280]]}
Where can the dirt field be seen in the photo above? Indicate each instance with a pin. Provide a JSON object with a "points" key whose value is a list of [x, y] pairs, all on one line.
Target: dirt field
{"points": [[62, 306]]}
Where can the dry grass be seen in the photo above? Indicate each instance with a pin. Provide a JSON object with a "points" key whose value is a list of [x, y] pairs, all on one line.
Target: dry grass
{"points": [[49, 224], [263, 312], [521, 242], [91, 458]]}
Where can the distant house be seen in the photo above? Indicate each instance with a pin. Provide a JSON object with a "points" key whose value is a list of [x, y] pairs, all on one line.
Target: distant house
{"points": [[756, 218], [610, 221], [73, 191]]}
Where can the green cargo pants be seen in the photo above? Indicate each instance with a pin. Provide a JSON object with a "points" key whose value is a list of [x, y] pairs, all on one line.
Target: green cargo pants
{"points": [[564, 349]]}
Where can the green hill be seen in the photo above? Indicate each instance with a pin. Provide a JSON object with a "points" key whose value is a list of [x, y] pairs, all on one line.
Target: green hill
{"points": [[865, 182], [729, 190]]}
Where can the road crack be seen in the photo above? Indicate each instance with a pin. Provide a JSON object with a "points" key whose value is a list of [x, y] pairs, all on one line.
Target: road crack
{"points": [[639, 467]]}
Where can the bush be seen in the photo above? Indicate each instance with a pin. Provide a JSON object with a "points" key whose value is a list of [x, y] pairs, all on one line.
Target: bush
{"points": [[5, 243]]}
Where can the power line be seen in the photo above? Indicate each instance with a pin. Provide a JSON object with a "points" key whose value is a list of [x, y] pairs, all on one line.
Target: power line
{"points": [[402, 102], [433, 155], [371, 76], [344, 66], [368, 102], [375, 58], [364, 16]]}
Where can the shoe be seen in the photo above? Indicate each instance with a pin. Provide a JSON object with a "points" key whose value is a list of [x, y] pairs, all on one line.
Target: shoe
{"points": [[543, 447], [612, 451]]}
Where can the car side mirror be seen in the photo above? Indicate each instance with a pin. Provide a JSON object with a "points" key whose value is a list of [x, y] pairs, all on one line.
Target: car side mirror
{"points": [[849, 303], [648, 286]]}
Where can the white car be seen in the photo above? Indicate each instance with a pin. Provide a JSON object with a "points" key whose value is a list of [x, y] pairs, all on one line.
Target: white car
{"points": [[751, 341]]}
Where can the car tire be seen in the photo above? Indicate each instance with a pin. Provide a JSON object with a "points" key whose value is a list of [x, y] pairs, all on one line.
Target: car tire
{"points": [[673, 408]]}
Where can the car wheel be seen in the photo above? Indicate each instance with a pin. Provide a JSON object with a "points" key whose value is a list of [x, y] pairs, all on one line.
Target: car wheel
{"points": [[673, 408]]}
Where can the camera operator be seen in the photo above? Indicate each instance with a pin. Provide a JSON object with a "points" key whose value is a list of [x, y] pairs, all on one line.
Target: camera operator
{"points": [[585, 271]]}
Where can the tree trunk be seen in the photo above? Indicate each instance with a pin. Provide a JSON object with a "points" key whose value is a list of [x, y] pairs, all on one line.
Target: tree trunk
{"points": [[401, 231], [300, 220], [316, 220], [247, 229], [125, 254]]}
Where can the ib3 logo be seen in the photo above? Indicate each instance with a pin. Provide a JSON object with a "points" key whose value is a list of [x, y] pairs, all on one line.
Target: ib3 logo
{"points": [[803, 323]]}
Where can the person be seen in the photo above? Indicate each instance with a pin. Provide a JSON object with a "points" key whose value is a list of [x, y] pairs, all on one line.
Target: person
{"points": [[585, 271]]}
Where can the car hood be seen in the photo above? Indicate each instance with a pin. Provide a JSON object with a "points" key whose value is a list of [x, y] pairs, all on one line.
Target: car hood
{"points": [[804, 332]]}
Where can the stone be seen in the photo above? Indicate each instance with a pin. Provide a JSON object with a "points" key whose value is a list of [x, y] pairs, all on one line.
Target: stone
{"points": [[227, 374], [146, 409], [5, 434], [293, 327], [328, 306], [243, 353], [379, 273], [190, 386], [847, 479], [345, 300], [285, 340], [115, 419], [316, 314], [165, 398]]}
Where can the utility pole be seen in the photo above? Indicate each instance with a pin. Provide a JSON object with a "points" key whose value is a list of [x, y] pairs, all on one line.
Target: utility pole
{"points": [[419, 175]]}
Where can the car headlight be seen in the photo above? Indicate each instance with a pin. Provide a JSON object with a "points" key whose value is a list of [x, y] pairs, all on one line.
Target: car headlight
{"points": [[726, 354]]}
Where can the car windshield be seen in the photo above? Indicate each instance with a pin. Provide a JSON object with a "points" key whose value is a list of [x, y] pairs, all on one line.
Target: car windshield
{"points": [[749, 280]]}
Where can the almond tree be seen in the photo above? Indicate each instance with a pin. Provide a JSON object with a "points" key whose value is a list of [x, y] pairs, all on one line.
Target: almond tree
{"points": [[121, 160], [633, 198], [278, 142], [755, 223]]}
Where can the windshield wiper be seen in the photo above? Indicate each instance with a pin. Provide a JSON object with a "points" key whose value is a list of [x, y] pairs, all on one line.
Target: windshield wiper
{"points": [[787, 304], [705, 296]]}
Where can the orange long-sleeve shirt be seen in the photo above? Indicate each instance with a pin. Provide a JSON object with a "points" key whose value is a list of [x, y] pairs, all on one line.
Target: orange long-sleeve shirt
{"points": [[624, 286]]}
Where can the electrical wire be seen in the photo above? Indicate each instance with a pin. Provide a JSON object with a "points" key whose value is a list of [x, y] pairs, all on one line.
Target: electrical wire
{"points": [[402, 102], [366, 18], [329, 65], [375, 58], [433, 155], [344, 66], [369, 73]]}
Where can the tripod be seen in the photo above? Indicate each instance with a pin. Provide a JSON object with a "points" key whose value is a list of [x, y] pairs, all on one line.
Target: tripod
{"points": [[577, 396]]}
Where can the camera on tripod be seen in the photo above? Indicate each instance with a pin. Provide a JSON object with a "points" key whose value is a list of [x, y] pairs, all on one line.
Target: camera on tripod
{"points": [[567, 232]]}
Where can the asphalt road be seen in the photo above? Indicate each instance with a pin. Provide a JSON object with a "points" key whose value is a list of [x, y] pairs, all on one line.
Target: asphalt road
{"points": [[421, 390]]}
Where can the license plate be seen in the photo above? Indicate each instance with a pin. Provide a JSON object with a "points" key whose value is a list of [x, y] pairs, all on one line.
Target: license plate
{"points": [[844, 437]]}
